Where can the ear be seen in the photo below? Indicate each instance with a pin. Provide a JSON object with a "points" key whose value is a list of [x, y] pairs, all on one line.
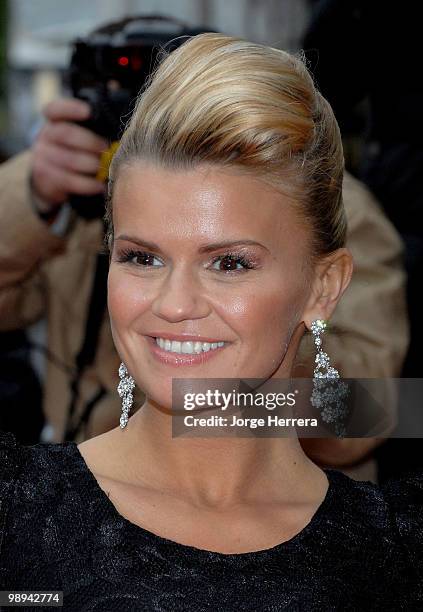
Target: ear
{"points": [[332, 275]]}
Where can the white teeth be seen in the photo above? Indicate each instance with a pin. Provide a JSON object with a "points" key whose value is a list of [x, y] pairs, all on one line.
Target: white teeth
{"points": [[175, 346], [188, 347]]}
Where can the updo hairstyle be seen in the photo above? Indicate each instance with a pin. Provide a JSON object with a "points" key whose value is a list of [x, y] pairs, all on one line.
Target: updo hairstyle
{"points": [[239, 105]]}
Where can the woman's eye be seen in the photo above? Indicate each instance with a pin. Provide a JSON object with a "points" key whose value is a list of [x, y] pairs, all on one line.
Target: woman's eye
{"points": [[140, 258], [231, 263], [146, 259]]}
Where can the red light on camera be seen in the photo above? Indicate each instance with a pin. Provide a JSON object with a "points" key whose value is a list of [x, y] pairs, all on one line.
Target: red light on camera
{"points": [[123, 60]]}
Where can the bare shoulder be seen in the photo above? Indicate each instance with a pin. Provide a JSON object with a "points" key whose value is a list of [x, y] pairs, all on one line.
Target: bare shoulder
{"points": [[101, 454]]}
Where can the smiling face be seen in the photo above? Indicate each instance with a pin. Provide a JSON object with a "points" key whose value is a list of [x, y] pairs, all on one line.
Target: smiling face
{"points": [[204, 257]]}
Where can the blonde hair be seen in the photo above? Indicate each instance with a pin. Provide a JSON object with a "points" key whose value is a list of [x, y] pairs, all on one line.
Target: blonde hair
{"points": [[225, 101]]}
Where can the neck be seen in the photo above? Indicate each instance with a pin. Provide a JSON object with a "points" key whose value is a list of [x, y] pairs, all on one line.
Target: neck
{"points": [[219, 471]]}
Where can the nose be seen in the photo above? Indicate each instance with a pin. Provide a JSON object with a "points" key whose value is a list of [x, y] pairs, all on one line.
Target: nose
{"points": [[179, 297]]}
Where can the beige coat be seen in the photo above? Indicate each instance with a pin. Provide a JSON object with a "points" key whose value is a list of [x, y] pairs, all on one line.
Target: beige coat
{"points": [[43, 275]]}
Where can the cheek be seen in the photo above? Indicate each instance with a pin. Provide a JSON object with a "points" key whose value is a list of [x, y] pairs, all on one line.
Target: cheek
{"points": [[260, 313], [126, 297], [263, 319], [277, 318]]}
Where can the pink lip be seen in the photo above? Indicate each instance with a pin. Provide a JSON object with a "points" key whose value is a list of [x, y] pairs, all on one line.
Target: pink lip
{"points": [[180, 359]]}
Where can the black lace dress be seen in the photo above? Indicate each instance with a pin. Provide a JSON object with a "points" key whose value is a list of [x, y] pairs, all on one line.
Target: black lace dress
{"points": [[362, 550]]}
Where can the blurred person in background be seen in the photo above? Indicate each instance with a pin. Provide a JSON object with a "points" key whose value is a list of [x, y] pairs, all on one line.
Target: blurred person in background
{"points": [[369, 53], [20, 390]]}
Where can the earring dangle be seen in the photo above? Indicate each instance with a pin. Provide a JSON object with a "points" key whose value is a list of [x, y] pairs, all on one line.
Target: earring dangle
{"points": [[328, 393], [124, 389], [318, 327]]}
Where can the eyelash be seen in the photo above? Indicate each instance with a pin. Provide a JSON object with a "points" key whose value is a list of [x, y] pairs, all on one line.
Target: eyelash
{"points": [[127, 255], [244, 260]]}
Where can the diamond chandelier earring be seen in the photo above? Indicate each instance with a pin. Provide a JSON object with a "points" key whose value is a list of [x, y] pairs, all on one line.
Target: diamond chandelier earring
{"points": [[328, 393], [318, 327], [124, 389]]}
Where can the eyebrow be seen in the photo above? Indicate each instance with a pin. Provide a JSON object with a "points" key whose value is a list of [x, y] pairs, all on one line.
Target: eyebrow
{"points": [[204, 249]]}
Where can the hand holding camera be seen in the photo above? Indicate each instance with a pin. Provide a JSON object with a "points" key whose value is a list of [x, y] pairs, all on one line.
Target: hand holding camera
{"points": [[65, 155]]}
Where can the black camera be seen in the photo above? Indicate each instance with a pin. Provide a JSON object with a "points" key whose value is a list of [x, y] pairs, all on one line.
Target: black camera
{"points": [[108, 68]]}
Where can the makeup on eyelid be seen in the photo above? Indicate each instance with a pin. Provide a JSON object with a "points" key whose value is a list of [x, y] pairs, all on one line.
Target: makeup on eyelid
{"points": [[247, 260]]}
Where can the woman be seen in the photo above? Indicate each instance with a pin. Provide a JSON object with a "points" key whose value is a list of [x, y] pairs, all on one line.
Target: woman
{"points": [[226, 238]]}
